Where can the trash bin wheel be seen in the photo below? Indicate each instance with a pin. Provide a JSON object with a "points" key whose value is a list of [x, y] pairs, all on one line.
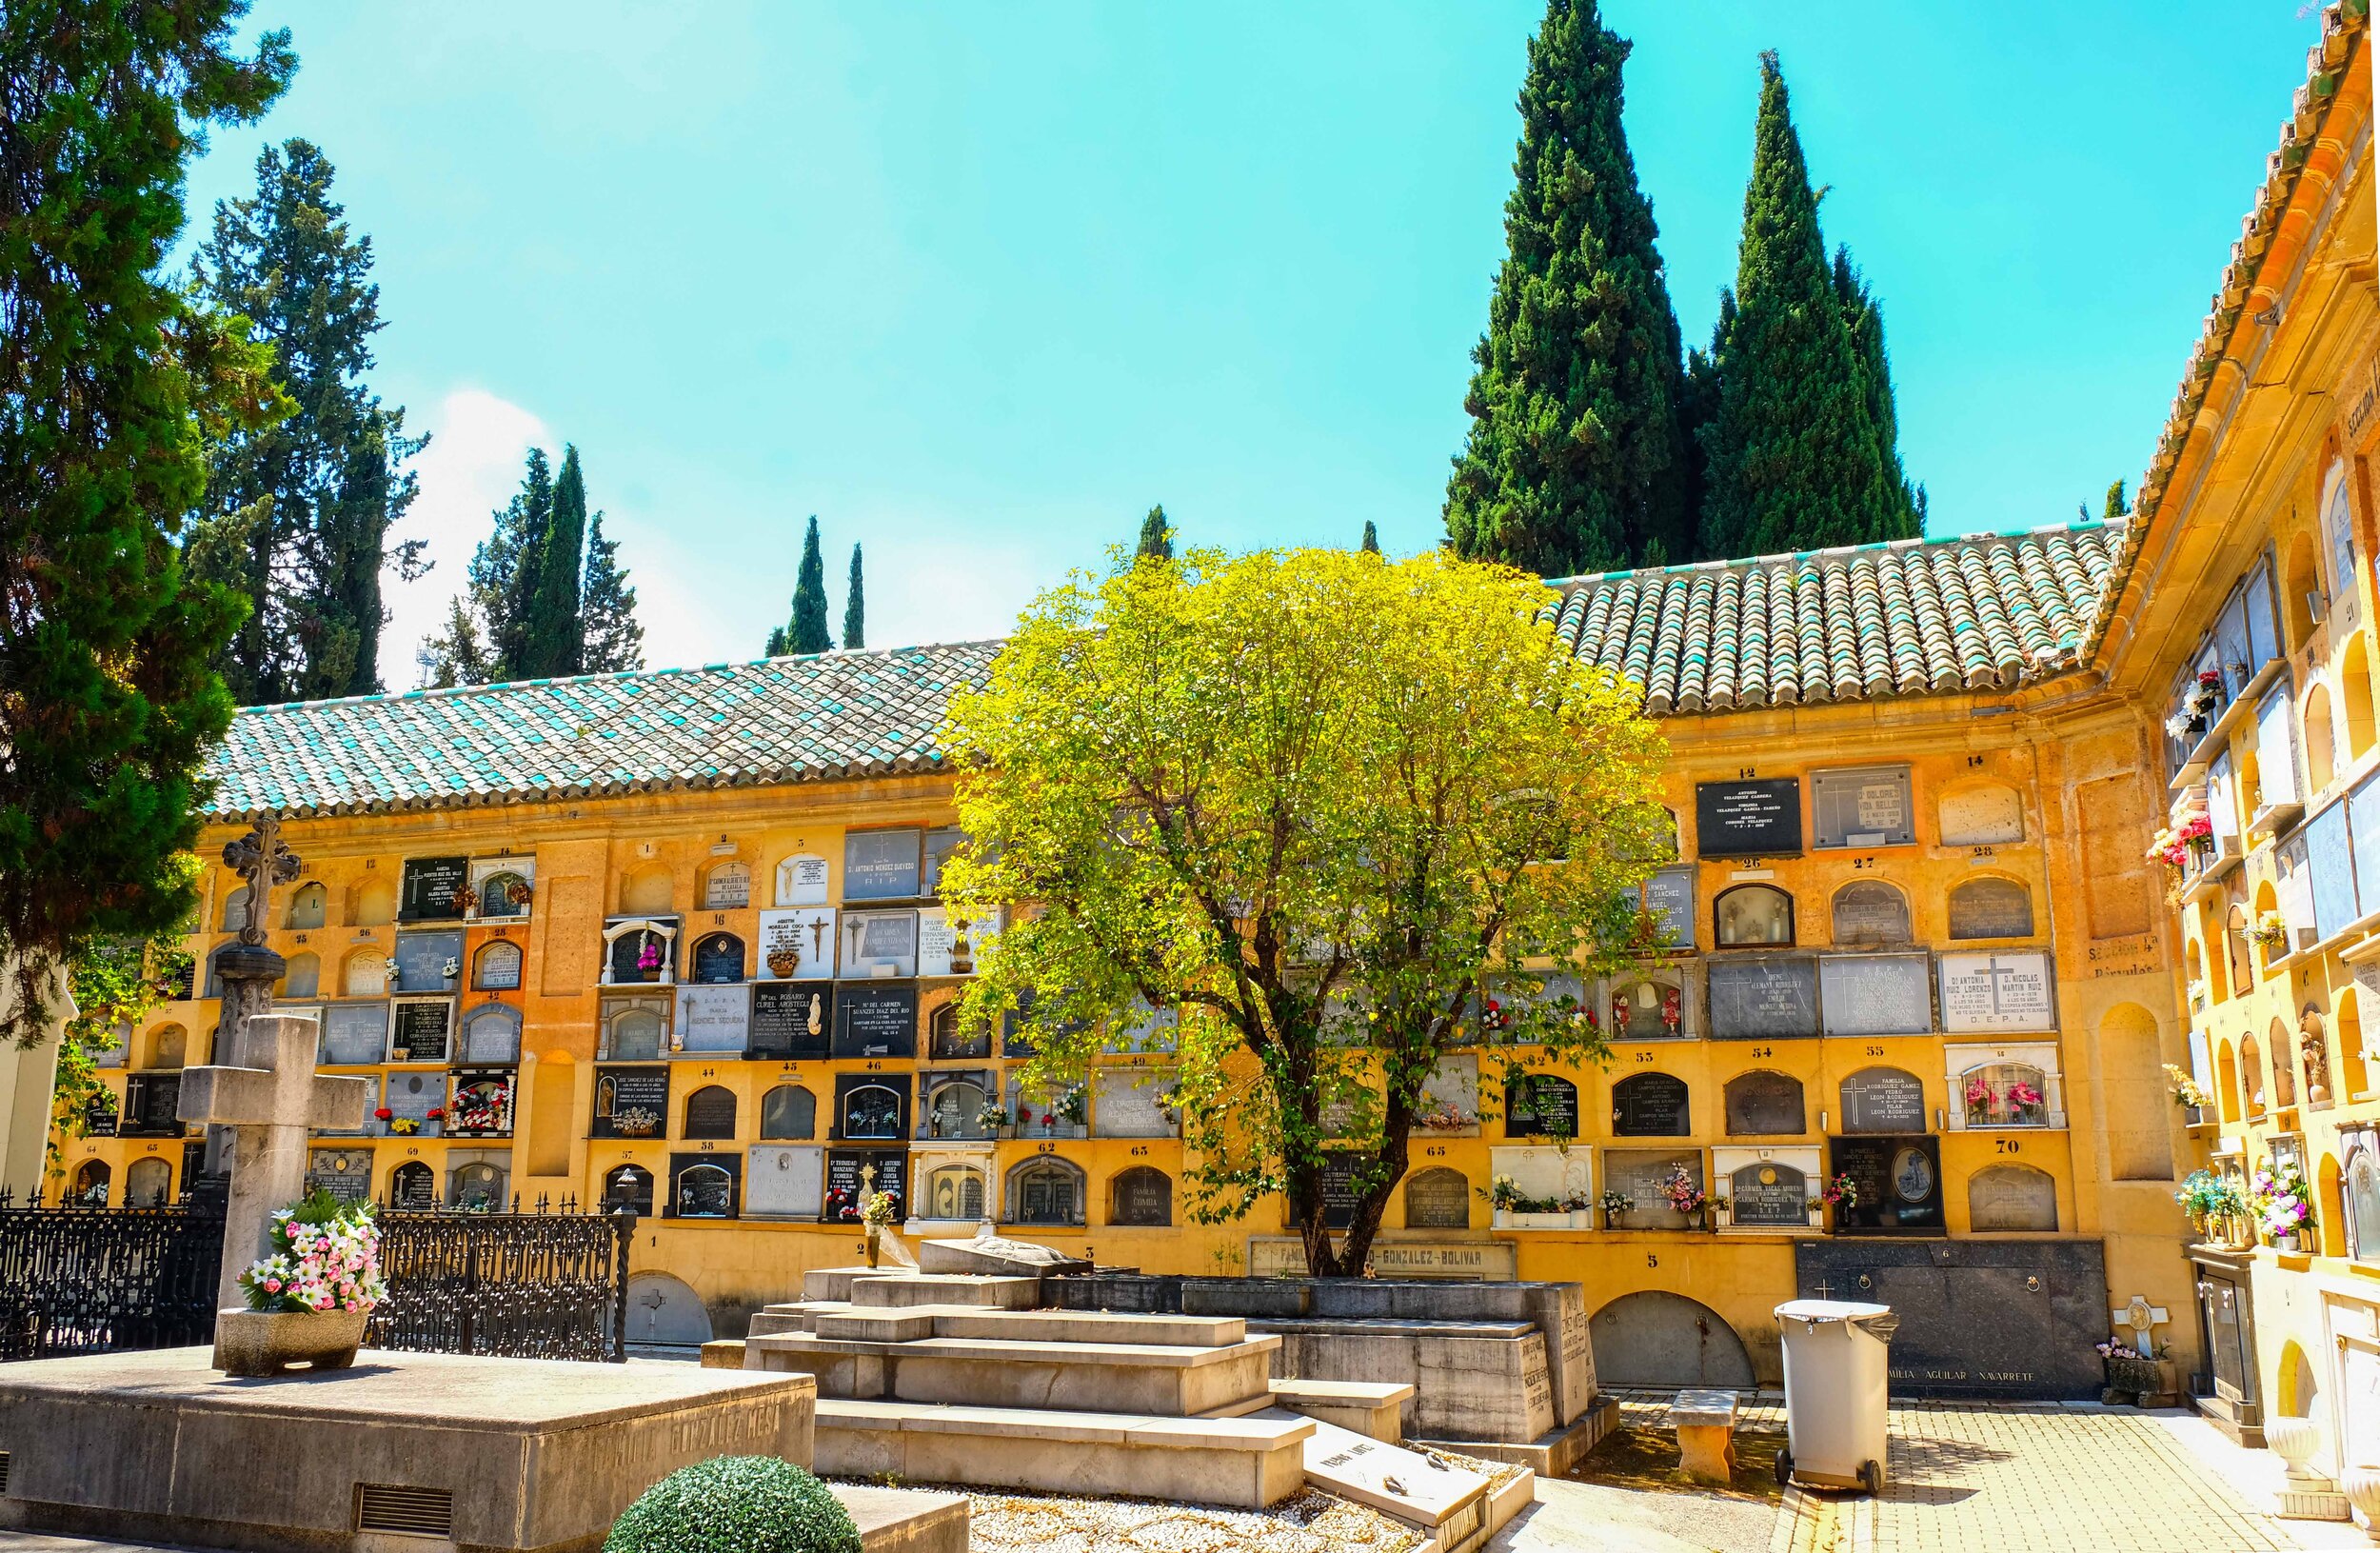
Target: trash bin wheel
{"points": [[1872, 1477], [1784, 1469]]}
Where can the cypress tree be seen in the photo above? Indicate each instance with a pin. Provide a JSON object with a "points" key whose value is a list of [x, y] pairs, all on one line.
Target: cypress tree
{"points": [[807, 632], [1864, 318], [1571, 461], [2116, 509], [1792, 456], [1157, 539], [554, 638], [614, 642], [501, 594], [854, 607], [1371, 538], [328, 483], [457, 655], [110, 380]]}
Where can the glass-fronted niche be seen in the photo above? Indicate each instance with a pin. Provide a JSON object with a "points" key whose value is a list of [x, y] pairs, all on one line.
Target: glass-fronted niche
{"points": [[2235, 649]]}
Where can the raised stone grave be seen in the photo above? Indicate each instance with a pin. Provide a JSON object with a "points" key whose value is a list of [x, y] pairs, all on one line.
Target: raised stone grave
{"points": [[2010, 1319], [996, 1255]]}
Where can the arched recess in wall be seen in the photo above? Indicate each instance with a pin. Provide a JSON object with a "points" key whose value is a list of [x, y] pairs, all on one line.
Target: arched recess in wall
{"points": [[1438, 1199], [2138, 1110], [2002, 1199], [364, 973], [308, 907], [2227, 1082], [1654, 1338], [664, 1312], [2313, 1056], [2356, 703], [2194, 963], [2321, 745], [372, 904], [300, 975], [2279, 1052], [2268, 902], [2306, 602], [2239, 957], [2354, 1069], [2252, 1077], [646, 890]]}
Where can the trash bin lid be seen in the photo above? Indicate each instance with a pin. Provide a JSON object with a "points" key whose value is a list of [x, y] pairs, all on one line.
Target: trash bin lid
{"points": [[1815, 1310]]}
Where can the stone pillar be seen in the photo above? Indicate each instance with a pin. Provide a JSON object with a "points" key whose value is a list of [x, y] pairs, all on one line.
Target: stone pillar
{"points": [[247, 973]]}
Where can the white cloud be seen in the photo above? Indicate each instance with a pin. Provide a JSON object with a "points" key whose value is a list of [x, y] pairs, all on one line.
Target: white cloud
{"points": [[470, 467]]}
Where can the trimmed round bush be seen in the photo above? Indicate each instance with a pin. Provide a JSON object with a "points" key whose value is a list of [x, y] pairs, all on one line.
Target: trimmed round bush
{"points": [[736, 1505]]}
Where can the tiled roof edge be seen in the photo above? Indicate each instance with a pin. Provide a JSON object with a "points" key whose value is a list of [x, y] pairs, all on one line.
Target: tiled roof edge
{"points": [[1689, 568]]}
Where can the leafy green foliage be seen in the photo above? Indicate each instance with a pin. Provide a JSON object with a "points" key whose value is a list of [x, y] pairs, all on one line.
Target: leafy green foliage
{"points": [[1794, 458], [614, 640], [1314, 800], [315, 495], [1157, 537], [855, 605], [110, 383], [736, 1505], [807, 632], [115, 983], [1573, 460]]}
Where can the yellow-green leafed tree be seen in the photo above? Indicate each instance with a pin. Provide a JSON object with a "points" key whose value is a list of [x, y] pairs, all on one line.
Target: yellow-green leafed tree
{"points": [[1315, 800]]}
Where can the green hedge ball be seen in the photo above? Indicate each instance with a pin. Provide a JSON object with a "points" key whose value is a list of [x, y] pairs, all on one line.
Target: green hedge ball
{"points": [[736, 1505]]}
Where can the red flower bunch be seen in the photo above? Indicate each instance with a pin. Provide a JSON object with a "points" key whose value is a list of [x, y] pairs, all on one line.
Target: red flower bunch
{"points": [[382, 1114]]}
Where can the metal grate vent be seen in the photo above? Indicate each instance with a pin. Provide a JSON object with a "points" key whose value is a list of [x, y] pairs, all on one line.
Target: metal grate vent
{"points": [[411, 1512], [4, 1471]]}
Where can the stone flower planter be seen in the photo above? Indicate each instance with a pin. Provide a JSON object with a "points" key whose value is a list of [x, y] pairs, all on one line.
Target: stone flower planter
{"points": [[1512, 1219], [254, 1342]]}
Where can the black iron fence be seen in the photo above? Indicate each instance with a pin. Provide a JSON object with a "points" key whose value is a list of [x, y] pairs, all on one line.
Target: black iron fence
{"points": [[539, 1285], [77, 1280]]}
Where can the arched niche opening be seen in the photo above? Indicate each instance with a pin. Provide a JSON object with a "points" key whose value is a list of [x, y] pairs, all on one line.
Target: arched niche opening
{"points": [[1438, 1199], [1991, 908], [2321, 746], [953, 1192], [710, 1114], [1141, 1196], [2306, 603], [310, 907], [1752, 915], [645, 891], [1869, 911], [1045, 1191], [788, 1111], [300, 975], [364, 973]]}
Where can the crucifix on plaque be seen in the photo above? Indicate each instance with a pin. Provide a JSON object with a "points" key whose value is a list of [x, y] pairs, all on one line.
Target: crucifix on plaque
{"points": [[268, 1098]]}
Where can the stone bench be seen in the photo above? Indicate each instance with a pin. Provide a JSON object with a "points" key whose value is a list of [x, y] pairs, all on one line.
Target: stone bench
{"points": [[1705, 1421], [1366, 1407], [1247, 1463]]}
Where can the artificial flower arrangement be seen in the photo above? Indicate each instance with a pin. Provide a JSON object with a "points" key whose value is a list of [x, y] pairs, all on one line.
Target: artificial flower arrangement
{"points": [[877, 1210], [2282, 1201], [466, 901], [1842, 1191], [1505, 1194], [1981, 1099], [649, 957], [481, 1108], [327, 1257], [2024, 1102], [2175, 848], [1683, 1193], [2272, 930], [1616, 1203], [2185, 1090], [451, 969], [1444, 1117], [636, 1121]]}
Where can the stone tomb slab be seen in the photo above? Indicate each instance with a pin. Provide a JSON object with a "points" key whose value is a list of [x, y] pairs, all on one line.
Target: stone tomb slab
{"points": [[996, 1255], [513, 1453], [2013, 1319], [1472, 1379], [1416, 1490]]}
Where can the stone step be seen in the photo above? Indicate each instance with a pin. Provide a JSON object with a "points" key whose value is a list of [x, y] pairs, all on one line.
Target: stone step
{"points": [[903, 1324], [947, 1289], [1246, 1462], [1448, 1503], [1375, 1408], [1160, 1379]]}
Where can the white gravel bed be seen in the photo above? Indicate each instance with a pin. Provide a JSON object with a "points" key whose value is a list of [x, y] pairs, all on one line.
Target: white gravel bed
{"points": [[1307, 1522]]}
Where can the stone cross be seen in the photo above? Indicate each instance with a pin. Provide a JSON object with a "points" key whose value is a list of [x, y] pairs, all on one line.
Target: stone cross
{"points": [[2142, 1317], [270, 1096]]}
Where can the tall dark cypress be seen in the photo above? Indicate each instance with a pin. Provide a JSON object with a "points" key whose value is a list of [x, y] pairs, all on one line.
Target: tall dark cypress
{"points": [[614, 640], [854, 606], [1571, 462], [1157, 537], [807, 630], [554, 641], [317, 494], [508, 568], [1864, 317], [1371, 538], [1792, 455]]}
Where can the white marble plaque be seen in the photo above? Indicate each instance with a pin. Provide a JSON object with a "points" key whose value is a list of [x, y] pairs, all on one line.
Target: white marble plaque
{"points": [[1561, 1174], [713, 1018], [797, 945], [1983, 993], [948, 946], [784, 1182], [1453, 1087], [1875, 994], [801, 880], [727, 888], [1121, 1108]]}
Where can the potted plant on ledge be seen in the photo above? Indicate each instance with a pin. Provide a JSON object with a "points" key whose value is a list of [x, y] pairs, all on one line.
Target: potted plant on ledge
{"points": [[309, 1302], [1617, 1207], [2136, 1379]]}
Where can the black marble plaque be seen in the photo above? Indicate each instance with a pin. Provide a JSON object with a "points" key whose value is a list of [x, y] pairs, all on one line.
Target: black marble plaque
{"points": [[1883, 1100], [423, 958], [792, 1020], [872, 1108], [844, 1181], [704, 1186], [431, 883], [877, 1020], [1541, 1104], [1143, 1197], [422, 1032], [1339, 1192], [1650, 1105], [1764, 999], [413, 1186], [630, 1103], [1769, 1196], [880, 865], [718, 957], [1748, 818], [1900, 1181], [1764, 1105], [2013, 1319]]}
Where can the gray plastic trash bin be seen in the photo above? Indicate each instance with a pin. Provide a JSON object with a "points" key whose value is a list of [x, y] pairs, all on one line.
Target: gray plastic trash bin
{"points": [[1834, 1380]]}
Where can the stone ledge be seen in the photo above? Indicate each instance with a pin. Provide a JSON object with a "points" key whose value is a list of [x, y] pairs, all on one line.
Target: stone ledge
{"points": [[1552, 1454], [1014, 1351]]}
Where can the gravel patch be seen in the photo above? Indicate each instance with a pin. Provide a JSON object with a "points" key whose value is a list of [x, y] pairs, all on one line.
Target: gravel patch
{"points": [[1307, 1522]]}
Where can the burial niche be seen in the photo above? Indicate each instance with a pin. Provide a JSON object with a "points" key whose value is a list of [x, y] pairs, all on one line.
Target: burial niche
{"points": [[302, 977], [1045, 1191], [871, 1112], [310, 907], [1752, 915], [91, 1185], [2011, 1197], [1870, 911], [148, 1183], [1438, 1199], [1142, 1197], [1990, 908], [788, 1111], [1540, 1105], [718, 957], [1650, 1105], [629, 1186], [413, 1186], [710, 1112], [497, 967], [727, 888], [1768, 1195], [951, 1042], [955, 1191], [1764, 1104], [1883, 1100]]}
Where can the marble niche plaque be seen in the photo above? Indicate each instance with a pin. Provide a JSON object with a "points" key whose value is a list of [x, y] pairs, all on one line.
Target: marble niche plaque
{"points": [[346, 1173], [791, 1019], [1668, 897], [1990, 908], [1650, 1105], [878, 944], [2011, 1197], [1638, 1174], [718, 957], [354, 1034], [796, 944], [948, 946], [1869, 806], [1763, 998], [498, 968], [881, 864], [713, 1019], [1986, 993], [1541, 1104], [1870, 911], [410, 1096], [876, 1021], [1769, 1195], [1122, 1108], [423, 958], [1438, 1199], [421, 1028], [429, 888], [801, 880], [1544, 1171], [2359, 1186], [1748, 818], [939, 845], [1764, 1104], [1900, 1181], [845, 1180], [1877, 994], [727, 888], [785, 1181], [1883, 1100]]}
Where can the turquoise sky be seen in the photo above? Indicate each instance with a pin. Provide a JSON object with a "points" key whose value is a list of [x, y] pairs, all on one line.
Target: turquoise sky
{"points": [[977, 284]]}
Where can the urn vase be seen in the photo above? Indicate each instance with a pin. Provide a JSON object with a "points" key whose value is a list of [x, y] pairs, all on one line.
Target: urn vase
{"points": [[261, 1343]]}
